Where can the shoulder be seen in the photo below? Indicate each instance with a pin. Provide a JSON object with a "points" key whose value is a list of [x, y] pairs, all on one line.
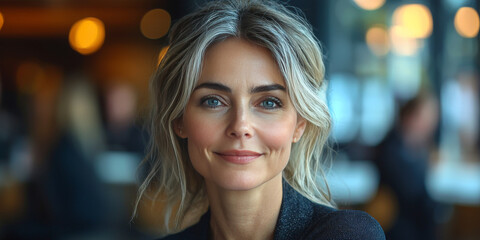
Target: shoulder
{"points": [[176, 236], [343, 224], [198, 231], [185, 234], [301, 218], [189, 233]]}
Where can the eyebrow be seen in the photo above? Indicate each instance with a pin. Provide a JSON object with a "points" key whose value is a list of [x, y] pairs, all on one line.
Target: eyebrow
{"points": [[221, 87], [214, 86], [267, 88]]}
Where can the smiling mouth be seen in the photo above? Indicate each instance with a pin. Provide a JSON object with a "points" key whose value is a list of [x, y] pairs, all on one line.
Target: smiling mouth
{"points": [[238, 156]]}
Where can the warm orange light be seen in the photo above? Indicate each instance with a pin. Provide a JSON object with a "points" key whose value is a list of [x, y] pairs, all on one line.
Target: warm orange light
{"points": [[87, 35], [415, 19], [162, 54], [377, 40], [403, 45], [467, 22], [1, 21], [369, 4], [155, 23]]}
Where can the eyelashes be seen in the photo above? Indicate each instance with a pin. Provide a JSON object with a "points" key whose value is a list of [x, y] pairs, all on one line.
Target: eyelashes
{"points": [[212, 101], [271, 103], [215, 101]]}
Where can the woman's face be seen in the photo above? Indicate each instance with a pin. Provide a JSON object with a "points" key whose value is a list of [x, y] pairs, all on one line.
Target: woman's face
{"points": [[239, 122]]}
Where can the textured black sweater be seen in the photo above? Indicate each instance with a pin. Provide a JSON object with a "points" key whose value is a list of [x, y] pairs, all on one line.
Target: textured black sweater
{"points": [[300, 218]]}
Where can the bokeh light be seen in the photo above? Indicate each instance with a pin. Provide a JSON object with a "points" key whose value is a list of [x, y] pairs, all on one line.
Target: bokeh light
{"points": [[155, 23], [414, 19], [377, 40], [369, 4], [401, 44], [467, 22], [1, 20], [87, 35]]}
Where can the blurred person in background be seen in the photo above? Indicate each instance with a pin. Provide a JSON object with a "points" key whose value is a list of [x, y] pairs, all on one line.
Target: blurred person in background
{"points": [[403, 159], [238, 123], [61, 194], [121, 132]]}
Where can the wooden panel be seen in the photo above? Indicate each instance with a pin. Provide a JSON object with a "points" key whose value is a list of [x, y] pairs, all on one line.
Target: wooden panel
{"points": [[56, 21]]}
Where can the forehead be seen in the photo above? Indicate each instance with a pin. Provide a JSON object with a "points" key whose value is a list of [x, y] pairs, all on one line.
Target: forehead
{"points": [[238, 61]]}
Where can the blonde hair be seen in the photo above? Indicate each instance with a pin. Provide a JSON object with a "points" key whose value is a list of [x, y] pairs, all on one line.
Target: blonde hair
{"points": [[296, 50]]}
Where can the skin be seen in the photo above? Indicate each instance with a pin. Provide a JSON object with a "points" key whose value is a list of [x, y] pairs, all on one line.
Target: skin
{"points": [[240, 103]]}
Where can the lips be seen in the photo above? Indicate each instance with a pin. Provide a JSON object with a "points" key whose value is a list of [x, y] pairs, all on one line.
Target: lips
{"points": [[239, 156]]}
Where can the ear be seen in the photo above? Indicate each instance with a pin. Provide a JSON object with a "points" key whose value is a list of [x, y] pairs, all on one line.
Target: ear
{"points": [[299, 128], [178, 127]]}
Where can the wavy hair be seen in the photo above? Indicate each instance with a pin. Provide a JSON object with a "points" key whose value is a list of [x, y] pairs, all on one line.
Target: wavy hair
{"points": [[290, 40]]}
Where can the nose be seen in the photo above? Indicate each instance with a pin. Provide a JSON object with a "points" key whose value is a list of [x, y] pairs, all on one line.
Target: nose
{"points": [[240, 125]]}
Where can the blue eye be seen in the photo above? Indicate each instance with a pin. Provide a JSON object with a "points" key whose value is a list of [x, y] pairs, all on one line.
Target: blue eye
{"points": [[211, 102], [270, 104]]}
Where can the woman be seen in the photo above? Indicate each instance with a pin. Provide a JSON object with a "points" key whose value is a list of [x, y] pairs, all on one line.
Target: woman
{"points": [[238, 126]]}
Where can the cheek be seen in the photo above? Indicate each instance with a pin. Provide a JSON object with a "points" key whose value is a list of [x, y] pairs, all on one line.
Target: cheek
{"points": [[278, 134], [200, 130], [199, 133], [277, 138]]}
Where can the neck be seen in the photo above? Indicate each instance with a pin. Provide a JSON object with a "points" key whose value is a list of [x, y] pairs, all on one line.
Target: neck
{"points": [[250, 214]]}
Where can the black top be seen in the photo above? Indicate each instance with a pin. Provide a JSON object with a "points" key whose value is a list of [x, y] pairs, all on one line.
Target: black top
{"points": [[300, 218]]}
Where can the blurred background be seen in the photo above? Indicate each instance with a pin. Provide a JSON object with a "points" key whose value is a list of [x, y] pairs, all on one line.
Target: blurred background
{"points": [[403, 89]]}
